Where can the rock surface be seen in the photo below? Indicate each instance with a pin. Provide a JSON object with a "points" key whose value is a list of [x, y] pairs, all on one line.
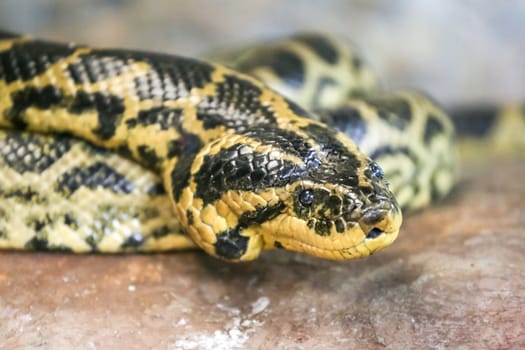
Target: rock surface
{"points": [[455, 277]]}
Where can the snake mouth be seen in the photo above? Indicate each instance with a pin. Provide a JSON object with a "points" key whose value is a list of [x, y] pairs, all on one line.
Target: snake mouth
{"points": [[380, 220]]}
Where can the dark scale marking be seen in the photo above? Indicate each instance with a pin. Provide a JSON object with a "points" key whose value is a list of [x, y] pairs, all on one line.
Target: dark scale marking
{"points": [[236, 106], [109, 110], [340, 226], [322, 227], [320, 45], [31, 152], [338, 165], [474, 121], [395, 110], [94, 176], [231, 169], [25, 194], [230, 244], [25, 60], [89, 70], [40, 98], [287, 65], [148, 157], [134, 241], [165, 118], [389, 150], [433, 127], [286, 141], [186, 144], [162, 231], [156, 189], [347, 120], [261, 214], [70, 221], [186, 147], [278, 245], [166, 70], [37, 243], [300, 111]]}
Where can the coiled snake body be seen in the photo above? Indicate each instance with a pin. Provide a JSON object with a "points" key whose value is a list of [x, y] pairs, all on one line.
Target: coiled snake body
{"points": [[241, 167]]}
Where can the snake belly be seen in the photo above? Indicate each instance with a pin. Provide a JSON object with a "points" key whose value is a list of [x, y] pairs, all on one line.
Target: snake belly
{"points": [[244, 168]]}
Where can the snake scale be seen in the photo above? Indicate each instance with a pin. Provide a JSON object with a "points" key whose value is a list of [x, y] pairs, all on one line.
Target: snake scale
{"points": [[292, 146]]}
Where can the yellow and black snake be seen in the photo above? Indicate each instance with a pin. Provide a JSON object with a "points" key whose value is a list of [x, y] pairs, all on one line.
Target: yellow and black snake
{"points": [[234, 167]]}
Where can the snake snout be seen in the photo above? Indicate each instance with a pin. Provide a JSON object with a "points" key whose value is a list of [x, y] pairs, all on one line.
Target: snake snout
{"points": [[380, 219]]}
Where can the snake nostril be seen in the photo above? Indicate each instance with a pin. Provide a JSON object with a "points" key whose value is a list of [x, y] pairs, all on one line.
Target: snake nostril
{"points": [[375, 232]]}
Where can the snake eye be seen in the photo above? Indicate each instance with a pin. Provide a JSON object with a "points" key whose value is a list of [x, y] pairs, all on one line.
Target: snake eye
{"points": [[375, 170], [306, 197]]}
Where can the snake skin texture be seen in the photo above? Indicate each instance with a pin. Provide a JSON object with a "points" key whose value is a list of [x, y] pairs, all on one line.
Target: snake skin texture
{"points": [[147, 152]]}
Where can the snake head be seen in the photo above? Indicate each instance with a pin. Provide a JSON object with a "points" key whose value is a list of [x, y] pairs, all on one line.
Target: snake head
{"points": [[306, 189]]}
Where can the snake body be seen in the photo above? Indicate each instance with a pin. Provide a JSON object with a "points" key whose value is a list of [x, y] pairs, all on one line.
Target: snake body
{"points": [[224, 162]]}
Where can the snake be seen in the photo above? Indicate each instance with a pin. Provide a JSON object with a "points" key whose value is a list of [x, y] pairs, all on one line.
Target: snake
{"points": [[287, 144]]}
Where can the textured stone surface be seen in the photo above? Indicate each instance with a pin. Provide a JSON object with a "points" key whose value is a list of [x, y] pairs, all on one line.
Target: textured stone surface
{"points": [[455, 277]]}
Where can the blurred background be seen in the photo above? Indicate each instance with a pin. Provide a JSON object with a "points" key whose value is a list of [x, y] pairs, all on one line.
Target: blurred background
{"points": [[459, 51]]}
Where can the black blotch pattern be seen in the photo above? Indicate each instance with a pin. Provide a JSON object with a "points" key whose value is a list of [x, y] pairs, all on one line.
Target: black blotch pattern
{"points": [[348, 120], [165, 118], [25, 60], [160, 232], [261, 214], [278, 245], [389, 150], [474, 121], [338, 165], [286, 141], [156, 189], [37, 243], [70, 221], [26, 194], [40, 98], [30, 152], [93, 176], [239, 168], [322, 227], [320, 45], [134, 241], [236, 106], [300, 111], [109, 109], [148, 157], [230, 244], [186, 147], [166, 71], [287, 65], [243, 99], [432, 128], [340, 226], [89, 70], [395, 110]]}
